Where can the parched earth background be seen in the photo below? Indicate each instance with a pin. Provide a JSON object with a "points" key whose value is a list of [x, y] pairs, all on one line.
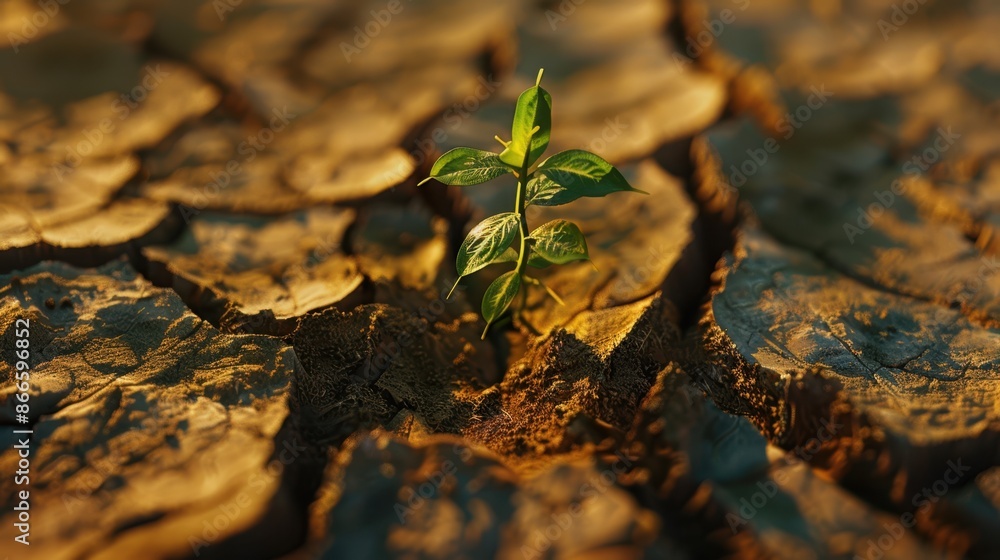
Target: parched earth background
{"points": [[240, 346]]}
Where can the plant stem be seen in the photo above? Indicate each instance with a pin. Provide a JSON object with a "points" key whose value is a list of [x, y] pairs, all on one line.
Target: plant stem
{"points": [[520, 204]]}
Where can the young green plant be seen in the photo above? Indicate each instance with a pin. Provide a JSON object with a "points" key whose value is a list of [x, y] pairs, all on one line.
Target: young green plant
{"points": [[560, 179]]}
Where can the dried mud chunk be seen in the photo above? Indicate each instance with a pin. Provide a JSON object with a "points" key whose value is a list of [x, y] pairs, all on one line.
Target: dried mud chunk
{"points": [[634, 116], [121, 228], [282, 267], [125, 105], [325, 159], [227, 181], [16, 233], [119, 223], [55, 195], [334, 82], [855, 50], [403, 243], [716, 470], [412, 38], [147, 421], [164, 96], [447, 499], [783, 320], [838, 195], [71, 140], [45, 73]]}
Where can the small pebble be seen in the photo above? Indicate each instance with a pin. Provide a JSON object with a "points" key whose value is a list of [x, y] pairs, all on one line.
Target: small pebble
{"points": [[50, 303]]}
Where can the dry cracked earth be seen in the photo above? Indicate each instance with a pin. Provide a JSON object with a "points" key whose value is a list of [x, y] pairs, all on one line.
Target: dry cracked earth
{"points": [[240, 346]]}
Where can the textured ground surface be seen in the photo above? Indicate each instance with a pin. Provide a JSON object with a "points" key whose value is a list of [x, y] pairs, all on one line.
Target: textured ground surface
{"points": [[240, 345]]}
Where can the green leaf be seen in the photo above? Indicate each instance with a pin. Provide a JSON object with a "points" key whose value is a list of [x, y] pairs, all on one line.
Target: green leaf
{"points": [[559, 242], [572, 174], [537, 261], [486, 243], [508, 256], [499, 296], [467, 166], [534, 109], [542, 190]]}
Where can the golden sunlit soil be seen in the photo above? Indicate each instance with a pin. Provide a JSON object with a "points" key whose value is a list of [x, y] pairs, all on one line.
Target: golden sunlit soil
{"points": [[235, 292]]}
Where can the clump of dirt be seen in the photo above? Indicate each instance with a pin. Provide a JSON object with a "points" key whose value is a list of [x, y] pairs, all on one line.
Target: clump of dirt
{"points": [[366, 365], [579, 385], [380, 364]]}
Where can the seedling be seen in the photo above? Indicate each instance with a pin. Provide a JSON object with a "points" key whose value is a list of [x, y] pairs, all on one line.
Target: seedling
{"points": [[560, 179]]}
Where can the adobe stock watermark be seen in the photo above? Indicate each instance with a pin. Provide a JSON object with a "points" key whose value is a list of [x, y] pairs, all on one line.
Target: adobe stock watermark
{"points": [[223, 7], [454, 117], [919, 164], [389, 350], [247, 150], [364, 34], [543, 538], [987, 269], [563, 11], [787, 125], [414, 498], [895, 531], [326, 248], [768, 489], [123, 107], [901, 13], [989, 485], [610, 133], [32, 25], [709, 33], [658, 256], [229, 511]]}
